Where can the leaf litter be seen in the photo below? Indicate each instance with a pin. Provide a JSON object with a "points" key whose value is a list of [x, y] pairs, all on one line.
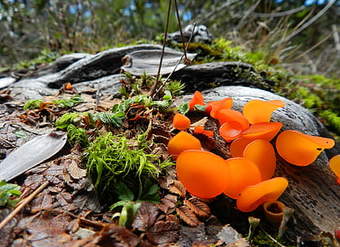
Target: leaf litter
{"points": [[70, 203]]}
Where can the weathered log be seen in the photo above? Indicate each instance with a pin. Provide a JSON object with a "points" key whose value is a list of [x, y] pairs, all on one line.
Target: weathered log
{"points": [[312, 190], [209, 75]]}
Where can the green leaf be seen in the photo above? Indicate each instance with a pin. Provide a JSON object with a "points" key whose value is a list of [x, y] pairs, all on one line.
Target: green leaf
{"points": [[200, 107], [123, 192], [183, 108], [7, 193], [32, 104], [66, 119]]}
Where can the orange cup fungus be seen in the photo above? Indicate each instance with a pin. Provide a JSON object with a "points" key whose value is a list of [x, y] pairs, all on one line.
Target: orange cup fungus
{"points": [[230, 131], [260, 111], [202, 173], [240, 174], [182, 141], [197, 99], [228, 115], [214, 106], [262, 153], [238, 145], [301, 149], [254, 196], [201, 130], [334, 165], [265, 131], [181, 122]]}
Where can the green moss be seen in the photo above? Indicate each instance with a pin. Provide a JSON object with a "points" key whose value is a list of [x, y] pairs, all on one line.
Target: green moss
{"points": [[112, 160], [77, 135], [260, 239], [46, 56]]}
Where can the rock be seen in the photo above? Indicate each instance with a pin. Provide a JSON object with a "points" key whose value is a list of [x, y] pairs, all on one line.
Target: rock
{"points": [[312, 191], [199, 34], [209, 75]]}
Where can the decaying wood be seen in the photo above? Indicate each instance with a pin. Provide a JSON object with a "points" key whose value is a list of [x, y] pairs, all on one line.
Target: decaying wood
{"points": [[312, 192]]}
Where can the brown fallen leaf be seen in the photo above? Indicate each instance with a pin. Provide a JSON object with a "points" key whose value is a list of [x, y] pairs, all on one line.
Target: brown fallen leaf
{"points": [[200, 208], [146, 216], [188, 216], [167, 203], [164, 232], [177, 188], [73, 169]]}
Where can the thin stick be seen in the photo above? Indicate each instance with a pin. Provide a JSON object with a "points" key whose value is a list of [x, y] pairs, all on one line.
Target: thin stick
{"points": [[165, 81], [22, 205], [153, 88], [180, 30]]}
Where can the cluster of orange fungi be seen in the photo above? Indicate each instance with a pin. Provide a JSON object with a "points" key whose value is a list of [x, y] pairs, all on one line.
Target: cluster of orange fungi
{"points": [[248, 175]]}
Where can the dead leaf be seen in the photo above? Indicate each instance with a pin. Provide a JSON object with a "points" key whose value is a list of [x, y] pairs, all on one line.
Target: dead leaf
{"points": [[187, 216], [73, 169], [31, 154], [146, 216], [199, 207], [168, 202], [177, 188], [164, 232]]}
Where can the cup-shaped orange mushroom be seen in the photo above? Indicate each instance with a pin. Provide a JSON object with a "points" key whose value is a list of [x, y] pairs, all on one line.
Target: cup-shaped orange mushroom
{"points": [[214, 106], [201, 130], [238, 145], [334, 165], [241, 173], [182, 141], [260, 111], [265, 131], [197, 99], [301, 149], [255, 195], [230, 131], [273, 211], [202, 173], [181, 122], [228, 115], [262, 153]]}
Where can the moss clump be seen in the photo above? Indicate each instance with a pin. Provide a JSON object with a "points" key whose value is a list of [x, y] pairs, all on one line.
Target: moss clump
{"points": [[77, 135], [46, 56], [112, 160]]}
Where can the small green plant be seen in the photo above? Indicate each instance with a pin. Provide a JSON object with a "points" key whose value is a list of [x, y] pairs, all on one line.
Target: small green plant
{"points": [[110, 160], [130, 203], [8, 193], [77, 135], [32, 104], [66, 119], [68, 103], [175, 87], [62, 103]]}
